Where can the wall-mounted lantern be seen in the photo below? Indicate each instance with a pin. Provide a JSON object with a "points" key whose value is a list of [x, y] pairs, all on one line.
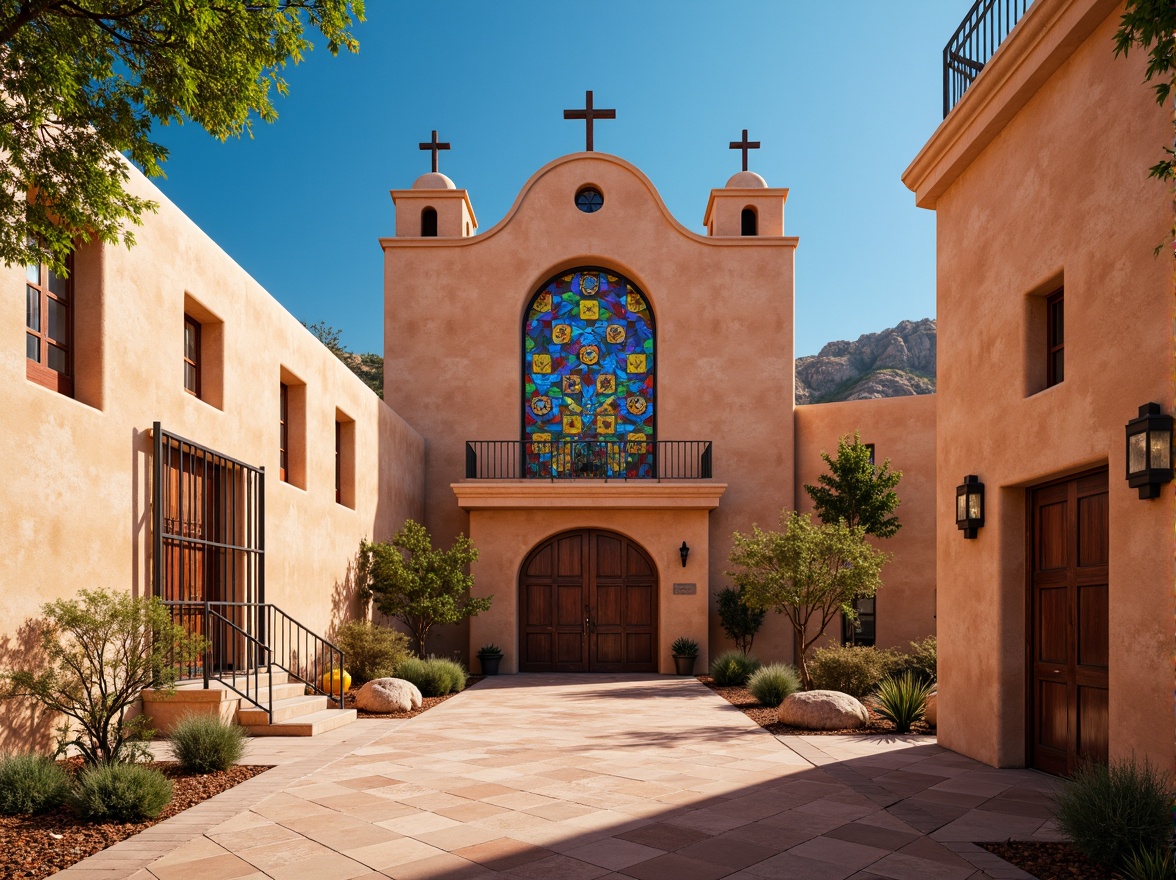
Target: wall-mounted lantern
{"points": [[1149, 451], [970, 505], [683, 551]]}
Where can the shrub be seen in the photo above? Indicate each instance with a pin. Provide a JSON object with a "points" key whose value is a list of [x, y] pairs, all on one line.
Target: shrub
{"points": [[684, 647], [733, 668], [920, 660], [120, 793], [1109, 812], [490, 650], [434, 677], [31, 784], [740, 623], [903, 699], [853, 670], [1150, 865], [371, 651], [205, 744], [774, 683]]}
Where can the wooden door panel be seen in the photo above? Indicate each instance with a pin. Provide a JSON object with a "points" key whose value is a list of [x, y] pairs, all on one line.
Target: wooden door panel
{"points": [[639, 649], [541, 564], [570, 606], [1093, 726], [571, 557], [1052, 626], [608, 605], [1093, 531], [637, 564], [608, 652], [1093, 626], [538, 649], [537, 607], [608, 556], [569, 649], [1051, 537], [639, 600]]}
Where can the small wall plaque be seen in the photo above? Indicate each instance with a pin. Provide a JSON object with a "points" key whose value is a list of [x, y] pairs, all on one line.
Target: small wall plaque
{"points": [[685, 589]]}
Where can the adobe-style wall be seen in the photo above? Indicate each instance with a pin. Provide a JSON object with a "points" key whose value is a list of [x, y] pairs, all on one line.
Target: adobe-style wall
{"points": [[902, 430], [724, 323], [76, 485], [1039, 178]]}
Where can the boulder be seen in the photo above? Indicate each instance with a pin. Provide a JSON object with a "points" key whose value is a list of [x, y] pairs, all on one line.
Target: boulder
{"points": [[930, 715], [388, 695], [823, 710]]}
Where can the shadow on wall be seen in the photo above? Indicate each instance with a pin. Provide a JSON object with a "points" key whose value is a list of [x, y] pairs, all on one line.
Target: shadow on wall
{"points": [[346, 603], [24, 723]]}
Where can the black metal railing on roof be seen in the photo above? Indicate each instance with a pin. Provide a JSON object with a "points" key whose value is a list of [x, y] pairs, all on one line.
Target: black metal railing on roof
{"points": [[975, 41], [588, 459]]}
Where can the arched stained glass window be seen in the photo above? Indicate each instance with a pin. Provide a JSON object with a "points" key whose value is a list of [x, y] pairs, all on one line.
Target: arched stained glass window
{"points": [[588, 387]]}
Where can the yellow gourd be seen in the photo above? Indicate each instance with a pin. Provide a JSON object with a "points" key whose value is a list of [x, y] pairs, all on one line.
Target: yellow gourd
{"points": [[330, 681]]}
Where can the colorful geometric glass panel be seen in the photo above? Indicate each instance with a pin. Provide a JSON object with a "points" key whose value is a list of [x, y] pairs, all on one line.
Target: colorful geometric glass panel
{"points": [[588, 366]]}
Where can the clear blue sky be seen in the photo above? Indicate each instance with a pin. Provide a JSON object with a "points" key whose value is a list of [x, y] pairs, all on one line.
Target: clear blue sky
{"points": [[842, 96]]}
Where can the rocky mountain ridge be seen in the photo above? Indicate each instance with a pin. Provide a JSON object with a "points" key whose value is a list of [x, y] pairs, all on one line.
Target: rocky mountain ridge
{"points": [[896, 362]]}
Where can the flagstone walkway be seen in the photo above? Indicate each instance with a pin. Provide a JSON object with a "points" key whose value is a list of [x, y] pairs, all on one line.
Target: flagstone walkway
{"points": [[574, 776]]}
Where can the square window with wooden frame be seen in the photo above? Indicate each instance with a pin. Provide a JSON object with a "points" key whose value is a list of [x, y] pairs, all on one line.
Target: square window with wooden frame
{"points": [[191, 355], [49, 327], [1055, 337]]}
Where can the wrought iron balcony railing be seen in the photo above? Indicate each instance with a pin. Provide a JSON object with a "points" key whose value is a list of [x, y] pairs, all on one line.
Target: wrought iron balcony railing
{"points": [[975, 41], [588, 459]]}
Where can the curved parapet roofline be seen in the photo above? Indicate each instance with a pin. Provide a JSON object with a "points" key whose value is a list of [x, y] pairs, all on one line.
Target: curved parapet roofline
{"points": [[698, 237]]}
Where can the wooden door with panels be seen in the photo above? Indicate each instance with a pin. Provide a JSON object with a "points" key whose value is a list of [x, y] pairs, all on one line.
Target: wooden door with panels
{"points": [[1068, 622], [588, 603]]}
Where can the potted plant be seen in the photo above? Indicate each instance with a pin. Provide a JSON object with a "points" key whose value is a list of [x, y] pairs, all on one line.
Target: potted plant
{"points": [[490, 656], [685, 652]]}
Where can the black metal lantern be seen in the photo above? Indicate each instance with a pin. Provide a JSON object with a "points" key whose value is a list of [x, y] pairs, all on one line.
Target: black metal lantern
{"points": [[683, 551], [1149, 451], [970, 505]]}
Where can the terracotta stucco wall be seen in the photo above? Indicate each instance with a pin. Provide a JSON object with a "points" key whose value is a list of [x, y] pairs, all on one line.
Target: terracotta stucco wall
{"points": [[1057, 135], [75, 483], [902, 430], [724, 324]]}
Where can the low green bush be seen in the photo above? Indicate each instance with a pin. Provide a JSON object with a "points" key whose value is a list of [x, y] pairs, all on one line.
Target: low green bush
{"points": [[1111, 811], [684, 647], [206, 744], [733, 669], [774, 683], [1150, 865], [434, 677], [920, 661], [902, 699], [371, 651], [31, 784], [851, 669], [120, 793]]}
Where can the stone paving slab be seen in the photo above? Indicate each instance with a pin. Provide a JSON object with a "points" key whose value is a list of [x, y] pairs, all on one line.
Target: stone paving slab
{"points": [[593, 776]]}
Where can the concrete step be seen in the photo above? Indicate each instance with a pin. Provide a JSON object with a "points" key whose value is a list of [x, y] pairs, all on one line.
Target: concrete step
{"points": [[283, 710], [240, 682], [305, 725]]}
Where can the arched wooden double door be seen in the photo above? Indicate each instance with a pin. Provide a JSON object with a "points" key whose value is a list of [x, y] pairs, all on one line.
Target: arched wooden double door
{"points": [[588, 603]]}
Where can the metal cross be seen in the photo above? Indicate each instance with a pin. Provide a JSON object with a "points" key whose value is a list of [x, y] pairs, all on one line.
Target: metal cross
{"points": [[745, 145], [588, 114], [434, 146]]}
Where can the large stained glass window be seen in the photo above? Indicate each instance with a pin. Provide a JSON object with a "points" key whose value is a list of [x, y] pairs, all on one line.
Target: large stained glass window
{"points": [[588, 367]]}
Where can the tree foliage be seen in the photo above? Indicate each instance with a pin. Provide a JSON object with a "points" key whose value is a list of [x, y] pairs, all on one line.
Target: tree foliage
{"points": [[102, 649], [369, 367], [418, 584], [856, 490], [84, 82], [740, 623], [807, 572]]}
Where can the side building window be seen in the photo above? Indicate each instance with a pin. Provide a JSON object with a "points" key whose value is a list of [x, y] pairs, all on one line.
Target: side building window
{"points": [[429, 222], [1055, 334], [748, 222], [284, 433], [191, 355], [49, 327], [864, 632]]}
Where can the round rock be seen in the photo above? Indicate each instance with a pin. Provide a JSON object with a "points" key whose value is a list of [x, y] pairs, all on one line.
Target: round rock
{"points": [[931, 713], [823, 710], [388, 695]]}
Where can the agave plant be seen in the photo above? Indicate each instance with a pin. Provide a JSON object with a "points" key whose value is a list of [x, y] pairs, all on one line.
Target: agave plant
{"points": [[902, 699], [1150, 865]]}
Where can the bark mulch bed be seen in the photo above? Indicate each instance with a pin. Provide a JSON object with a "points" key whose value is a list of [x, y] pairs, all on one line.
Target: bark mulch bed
{"points": [[32, 847], [427, 703], [1048, 861], [741, 698]]}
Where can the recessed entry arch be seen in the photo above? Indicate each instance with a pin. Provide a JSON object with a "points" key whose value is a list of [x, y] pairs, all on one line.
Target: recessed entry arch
{"points": [[588, 603]]}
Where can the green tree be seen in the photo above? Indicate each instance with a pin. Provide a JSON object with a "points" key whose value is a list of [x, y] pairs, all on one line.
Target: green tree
{"points": [[84, 82], [739, 622], [807, 572], [102, 649], [857, 491], [369, 367], [418, 584]]}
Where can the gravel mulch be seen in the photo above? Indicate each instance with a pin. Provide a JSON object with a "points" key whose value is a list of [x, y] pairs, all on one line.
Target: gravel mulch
{"points": [[32, 847], [767, 718], [427, 703], [1048, 861]]}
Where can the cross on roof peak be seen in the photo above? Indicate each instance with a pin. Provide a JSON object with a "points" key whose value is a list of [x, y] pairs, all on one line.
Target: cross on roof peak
{"points": [[745, 145], [588, 114], [434, 146]]}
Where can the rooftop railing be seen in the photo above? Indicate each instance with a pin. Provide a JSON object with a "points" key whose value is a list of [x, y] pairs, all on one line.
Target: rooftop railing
{"points": [[588, 459], [975, 41]]}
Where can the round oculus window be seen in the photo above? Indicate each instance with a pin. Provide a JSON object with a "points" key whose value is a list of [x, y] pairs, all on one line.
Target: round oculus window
{"points": [[589, 199]]}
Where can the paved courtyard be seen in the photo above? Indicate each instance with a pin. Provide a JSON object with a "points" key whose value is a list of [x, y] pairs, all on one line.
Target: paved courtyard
{"points": [[587, 776]]}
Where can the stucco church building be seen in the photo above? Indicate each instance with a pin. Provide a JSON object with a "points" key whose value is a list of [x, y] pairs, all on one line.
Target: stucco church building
{"points": [[623, 401]]}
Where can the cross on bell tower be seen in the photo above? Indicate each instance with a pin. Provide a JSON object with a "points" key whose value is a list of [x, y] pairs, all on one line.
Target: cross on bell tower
{"points": [[745, 145], [588, 114], [435, 146]]}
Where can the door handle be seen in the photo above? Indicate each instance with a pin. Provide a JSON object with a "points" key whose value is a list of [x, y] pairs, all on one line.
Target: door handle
{"points": [[587, 623]]}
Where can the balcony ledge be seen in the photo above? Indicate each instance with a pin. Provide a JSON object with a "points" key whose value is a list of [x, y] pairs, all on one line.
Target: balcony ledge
{"points": [[595, 494]]}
